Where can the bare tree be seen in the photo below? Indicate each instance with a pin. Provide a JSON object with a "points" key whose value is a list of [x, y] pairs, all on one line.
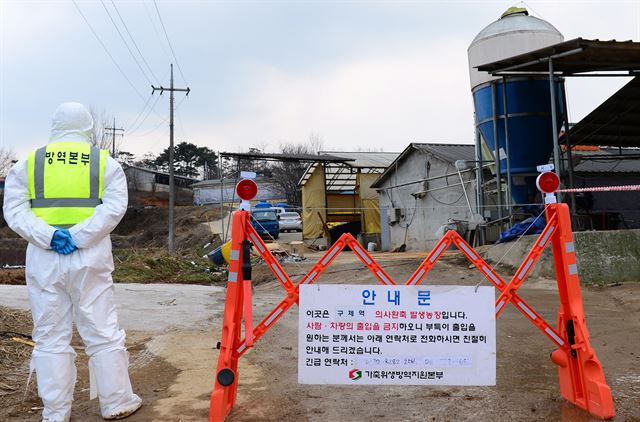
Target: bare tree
{"points": [[315, 143], [286, 174], [99, 136], [7, 158], [125, 157]]}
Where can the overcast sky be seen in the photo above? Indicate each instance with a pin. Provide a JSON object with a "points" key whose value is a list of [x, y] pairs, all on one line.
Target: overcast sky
{"points": [[364, 75]]}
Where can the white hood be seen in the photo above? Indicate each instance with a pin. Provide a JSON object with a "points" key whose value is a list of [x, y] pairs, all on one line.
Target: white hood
{"points": [[71, 123]]}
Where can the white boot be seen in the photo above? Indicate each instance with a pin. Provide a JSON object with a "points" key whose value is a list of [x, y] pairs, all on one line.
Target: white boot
{"points": [[109, 377], [56, 375]]}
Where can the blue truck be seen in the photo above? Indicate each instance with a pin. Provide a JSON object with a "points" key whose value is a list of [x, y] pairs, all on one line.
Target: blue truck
{"points": [[265, 222]]}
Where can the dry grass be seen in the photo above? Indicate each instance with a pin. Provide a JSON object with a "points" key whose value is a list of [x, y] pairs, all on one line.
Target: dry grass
{"points": [[14, 355]]}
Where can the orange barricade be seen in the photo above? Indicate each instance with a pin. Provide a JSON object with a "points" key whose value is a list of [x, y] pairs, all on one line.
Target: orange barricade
{"points": [[581, 376]]}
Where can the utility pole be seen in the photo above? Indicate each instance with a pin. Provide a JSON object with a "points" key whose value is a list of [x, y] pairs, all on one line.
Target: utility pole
{"points": [[113, 130], [172, 187]]}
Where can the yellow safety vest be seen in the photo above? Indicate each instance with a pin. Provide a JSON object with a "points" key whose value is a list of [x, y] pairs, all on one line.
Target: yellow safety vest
{"points": [[66, 180]]}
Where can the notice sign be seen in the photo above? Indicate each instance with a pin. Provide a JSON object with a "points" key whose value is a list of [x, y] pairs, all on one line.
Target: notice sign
{"points": [[414, 335]]}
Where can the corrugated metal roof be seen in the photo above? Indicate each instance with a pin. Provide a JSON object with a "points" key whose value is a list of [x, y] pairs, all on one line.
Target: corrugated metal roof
{"points": [[128, 167], [215, 183], [446, 152], [610, 160], [572, 57], [365, 159], [342, 176], [280, 156], [449, 152], [615, 122]]}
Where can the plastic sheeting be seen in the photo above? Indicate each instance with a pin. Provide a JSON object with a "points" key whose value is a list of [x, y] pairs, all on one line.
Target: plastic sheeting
{"points": [[313, 201], [532, 225], [369, 203]]}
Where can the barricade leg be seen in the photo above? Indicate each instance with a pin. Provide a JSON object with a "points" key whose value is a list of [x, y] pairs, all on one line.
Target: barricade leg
{"points": [[225, 388], [581, 376]]}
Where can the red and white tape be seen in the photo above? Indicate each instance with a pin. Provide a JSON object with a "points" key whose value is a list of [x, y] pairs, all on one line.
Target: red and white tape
{"points": [[602, 189]]}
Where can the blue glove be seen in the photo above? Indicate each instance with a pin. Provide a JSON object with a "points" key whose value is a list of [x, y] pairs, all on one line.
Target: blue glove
{"points": [[62, 242], [70, 243]]}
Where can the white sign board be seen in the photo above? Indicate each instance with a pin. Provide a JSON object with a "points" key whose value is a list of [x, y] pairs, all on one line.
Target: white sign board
{"points": [[414, 335]]}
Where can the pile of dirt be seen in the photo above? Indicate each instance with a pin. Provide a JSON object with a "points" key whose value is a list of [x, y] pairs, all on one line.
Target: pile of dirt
{"points": [[157, 266], [139, 247], [12, 247], [147, 227], [14, 276]]}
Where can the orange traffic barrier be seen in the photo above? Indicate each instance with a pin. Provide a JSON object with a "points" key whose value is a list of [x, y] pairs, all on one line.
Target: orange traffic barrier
{"points": [[582, 379]]}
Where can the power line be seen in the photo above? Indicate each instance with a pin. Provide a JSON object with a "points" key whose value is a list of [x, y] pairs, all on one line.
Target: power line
{"points": [[132, 130], [107, 51], [125, 43], [134, 42], [142, 135], [169, 42], [144, 108], [163, 121], [181, 123], [155, 31]]}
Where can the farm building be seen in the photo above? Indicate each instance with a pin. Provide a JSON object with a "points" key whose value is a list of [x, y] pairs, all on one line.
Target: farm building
{"points": [[606, 166], [340, 192], [422, 191], [151, 187]]}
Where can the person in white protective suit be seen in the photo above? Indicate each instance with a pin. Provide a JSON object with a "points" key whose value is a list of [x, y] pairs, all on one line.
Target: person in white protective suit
{"points": [[65, 200]]}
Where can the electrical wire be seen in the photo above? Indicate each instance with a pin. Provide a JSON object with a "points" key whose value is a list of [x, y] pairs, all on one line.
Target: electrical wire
{"points": [[104, 47], [142, 135], [169, 42], [145, 117], [155, 31], [134, 42], [162, 121], [179, 119], [144, 108], [125, 43], [485, 276]]}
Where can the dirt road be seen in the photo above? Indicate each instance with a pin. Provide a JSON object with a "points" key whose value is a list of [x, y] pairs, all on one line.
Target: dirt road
{"points": [[173, 366]]}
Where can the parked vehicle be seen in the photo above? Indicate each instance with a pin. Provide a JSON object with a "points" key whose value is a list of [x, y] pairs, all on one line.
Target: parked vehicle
{"points": [[263, 205], [265, 222], [279, 210], [290, 221]]}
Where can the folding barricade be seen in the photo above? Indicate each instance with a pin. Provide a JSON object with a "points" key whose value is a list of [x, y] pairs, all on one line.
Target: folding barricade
{"points": [[581, 376]]}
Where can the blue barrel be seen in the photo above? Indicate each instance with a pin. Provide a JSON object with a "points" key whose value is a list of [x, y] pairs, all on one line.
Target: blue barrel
{"points": [[528, 99], [530, 128]]}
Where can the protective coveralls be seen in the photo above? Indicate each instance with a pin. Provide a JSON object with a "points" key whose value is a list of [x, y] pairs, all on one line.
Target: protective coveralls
{"points": [[78, 285]]}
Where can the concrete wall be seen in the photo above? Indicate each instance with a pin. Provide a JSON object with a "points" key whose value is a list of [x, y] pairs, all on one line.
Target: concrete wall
{"points": [[426, 214], [602, 257], [211, 194]]}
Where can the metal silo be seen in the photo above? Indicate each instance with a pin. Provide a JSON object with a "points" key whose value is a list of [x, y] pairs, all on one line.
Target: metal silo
{"points": [[528, 119]]}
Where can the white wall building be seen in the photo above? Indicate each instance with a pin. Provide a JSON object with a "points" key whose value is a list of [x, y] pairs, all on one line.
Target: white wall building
{"points": [[421, 191]]}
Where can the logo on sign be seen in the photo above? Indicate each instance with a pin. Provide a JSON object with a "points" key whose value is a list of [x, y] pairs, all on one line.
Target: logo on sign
{"points": [[355, 374]]}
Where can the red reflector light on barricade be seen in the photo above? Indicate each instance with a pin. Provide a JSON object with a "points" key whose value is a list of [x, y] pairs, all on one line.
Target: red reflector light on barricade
{"points": [[247, 189], [548, 182]]}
